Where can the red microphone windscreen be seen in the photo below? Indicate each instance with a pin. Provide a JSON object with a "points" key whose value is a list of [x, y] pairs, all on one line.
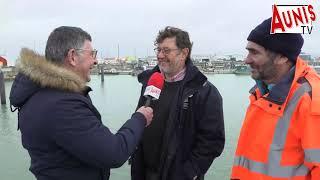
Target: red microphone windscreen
{"points": [[156, 80]]}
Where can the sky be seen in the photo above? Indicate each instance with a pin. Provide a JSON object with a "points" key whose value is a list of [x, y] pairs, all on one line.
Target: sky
{"points": [[215, 27]]}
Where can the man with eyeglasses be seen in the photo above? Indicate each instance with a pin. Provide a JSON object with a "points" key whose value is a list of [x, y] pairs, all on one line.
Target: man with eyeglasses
{"points": [[187, 132], [60, 127]]}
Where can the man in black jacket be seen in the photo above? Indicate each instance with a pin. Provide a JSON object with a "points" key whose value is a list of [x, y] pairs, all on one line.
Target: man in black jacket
{"points": [[60, 127], [187, 132]]}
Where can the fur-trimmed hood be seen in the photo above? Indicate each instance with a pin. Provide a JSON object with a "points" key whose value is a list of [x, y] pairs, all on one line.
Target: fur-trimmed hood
{"points": [[35, 72]]}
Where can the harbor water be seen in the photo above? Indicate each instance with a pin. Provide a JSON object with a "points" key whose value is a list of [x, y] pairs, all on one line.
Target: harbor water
{"points": [[116, 99]]}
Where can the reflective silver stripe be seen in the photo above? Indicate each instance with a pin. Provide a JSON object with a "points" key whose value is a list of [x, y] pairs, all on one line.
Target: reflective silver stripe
{"points": [[273, 166], [271, 169], [312, 155]]}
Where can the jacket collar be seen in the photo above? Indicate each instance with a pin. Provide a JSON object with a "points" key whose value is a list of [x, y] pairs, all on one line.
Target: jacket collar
{"points": [[35, 73], [279, 92], [47, 74]]}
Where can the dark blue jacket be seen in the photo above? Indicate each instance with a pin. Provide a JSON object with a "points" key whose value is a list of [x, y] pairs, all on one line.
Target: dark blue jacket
{"points": [[194, 136], [62, 130]]}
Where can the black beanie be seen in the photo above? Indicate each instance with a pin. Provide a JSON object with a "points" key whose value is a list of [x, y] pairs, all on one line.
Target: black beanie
{"points": [[287, 44]]}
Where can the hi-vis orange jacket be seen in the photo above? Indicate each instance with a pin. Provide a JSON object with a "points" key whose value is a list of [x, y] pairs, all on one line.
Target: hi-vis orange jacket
{"points": [[280, 136]]}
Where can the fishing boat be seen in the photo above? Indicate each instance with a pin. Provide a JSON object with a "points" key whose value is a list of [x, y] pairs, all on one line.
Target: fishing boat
{"points": [[242, 70]]}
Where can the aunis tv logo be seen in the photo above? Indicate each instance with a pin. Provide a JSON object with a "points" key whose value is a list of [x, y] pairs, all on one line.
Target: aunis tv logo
{"points": [[292, 19]]}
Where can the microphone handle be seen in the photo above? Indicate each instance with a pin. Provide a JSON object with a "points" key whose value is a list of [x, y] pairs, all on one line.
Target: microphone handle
{"points": [[148, 102]]}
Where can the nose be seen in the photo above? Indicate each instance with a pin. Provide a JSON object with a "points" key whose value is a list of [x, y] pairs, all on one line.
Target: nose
{"points": [[248, 60], [160, 55]]}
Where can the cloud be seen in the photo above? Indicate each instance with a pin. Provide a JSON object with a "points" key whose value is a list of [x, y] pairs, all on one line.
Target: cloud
{"points": [[214, 26]]}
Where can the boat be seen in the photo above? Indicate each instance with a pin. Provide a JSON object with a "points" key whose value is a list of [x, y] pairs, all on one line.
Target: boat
{"points": [[9, 72], [242, 70], [110, 72]]}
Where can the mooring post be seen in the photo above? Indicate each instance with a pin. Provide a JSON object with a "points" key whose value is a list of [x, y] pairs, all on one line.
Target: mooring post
{"points": [[102, 72], [2, 88]]}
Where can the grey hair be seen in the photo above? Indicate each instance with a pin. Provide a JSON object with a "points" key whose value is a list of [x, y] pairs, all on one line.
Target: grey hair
{"points": [[61, 40], [182, 38]]}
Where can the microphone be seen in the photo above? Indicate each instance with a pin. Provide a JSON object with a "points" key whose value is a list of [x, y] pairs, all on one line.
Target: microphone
{"points": [[154, 87]]}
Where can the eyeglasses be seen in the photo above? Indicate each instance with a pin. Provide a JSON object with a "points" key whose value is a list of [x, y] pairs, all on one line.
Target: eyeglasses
{"points": [[165, 51], [93, 53]]}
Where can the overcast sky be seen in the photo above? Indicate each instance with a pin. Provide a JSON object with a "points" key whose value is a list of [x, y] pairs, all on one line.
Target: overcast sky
{"points": [[215, 27]]}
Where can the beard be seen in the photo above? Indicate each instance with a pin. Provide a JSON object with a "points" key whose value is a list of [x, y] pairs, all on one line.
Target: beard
{"points": [[264, 72]]}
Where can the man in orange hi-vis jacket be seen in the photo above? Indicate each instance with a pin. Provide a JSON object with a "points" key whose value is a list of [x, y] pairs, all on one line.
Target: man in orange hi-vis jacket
{"points": [[280, 136]]}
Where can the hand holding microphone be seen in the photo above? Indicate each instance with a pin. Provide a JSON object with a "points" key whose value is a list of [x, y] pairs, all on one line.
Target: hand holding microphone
{"points": [[152, 92], [148, 114]]}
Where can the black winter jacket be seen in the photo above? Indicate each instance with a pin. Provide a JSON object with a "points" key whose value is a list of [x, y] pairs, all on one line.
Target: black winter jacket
{"points": [[195, 130], [60, 127]]}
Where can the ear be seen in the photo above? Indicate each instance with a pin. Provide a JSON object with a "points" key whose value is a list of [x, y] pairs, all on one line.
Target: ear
{"points": [[280, 59], [185, 52], [71, 57]]}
